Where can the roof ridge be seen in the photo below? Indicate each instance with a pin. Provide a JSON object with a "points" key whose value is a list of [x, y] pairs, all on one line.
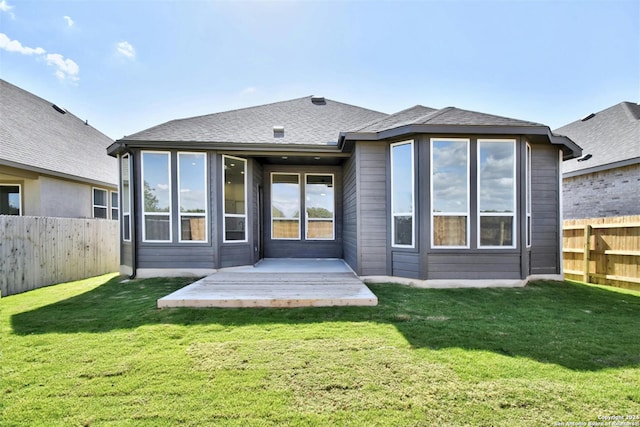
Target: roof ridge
{"points": [[433, 115], [632, 112]]}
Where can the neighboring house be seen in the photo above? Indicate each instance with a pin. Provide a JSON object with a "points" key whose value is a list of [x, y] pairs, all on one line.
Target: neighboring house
{"points": [[430, 196], [605, 181], [51, 162]]}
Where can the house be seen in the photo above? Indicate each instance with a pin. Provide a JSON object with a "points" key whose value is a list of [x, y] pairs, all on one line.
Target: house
{"points": [[605, 181], [51, 162], [424, 195]]}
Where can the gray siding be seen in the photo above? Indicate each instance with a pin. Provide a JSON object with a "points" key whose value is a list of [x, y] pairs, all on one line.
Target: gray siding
{"points": [[406, 264], [350, 220], [256, 215], [174, 256], [474, 265], [545, 211], [582, 195], [372, 207]]}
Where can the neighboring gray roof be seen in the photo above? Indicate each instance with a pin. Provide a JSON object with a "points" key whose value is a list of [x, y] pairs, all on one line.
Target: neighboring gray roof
{"points": [[37, 137], [401, 118], [611, 137], [305, 122]]}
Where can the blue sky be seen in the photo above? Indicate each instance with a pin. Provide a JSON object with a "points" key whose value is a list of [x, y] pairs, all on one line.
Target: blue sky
{"points": [[129, 65]]}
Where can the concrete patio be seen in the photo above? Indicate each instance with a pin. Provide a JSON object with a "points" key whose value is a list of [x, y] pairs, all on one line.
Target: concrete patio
{"points": [[276, 283]]}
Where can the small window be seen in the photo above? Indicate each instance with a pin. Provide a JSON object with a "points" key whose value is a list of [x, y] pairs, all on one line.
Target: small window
{"points": [[156, 196], [402, 195], [319, 196], [235, 199], [114, 205], [496, 193], [450, 193], [192, 196], [529, 233], [125, 190], [100, 206], [10, 199], [285, 206]]}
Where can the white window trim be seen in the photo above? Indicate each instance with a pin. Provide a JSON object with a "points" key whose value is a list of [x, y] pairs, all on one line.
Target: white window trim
{"points": [[333, 218], [93, 202], [144, 213], [285, 219], [466, 214], [529, 207], [226, 215], [206, 202], [122, 196], [11, 184], [413, 199], [515, 196], [111, 207]]}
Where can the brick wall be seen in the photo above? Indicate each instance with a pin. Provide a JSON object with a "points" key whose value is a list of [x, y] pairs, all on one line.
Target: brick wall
{"points": [[613, 192]]}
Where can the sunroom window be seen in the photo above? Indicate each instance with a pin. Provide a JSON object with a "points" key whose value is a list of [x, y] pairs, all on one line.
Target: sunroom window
{"points": [[125, 189], [496, 193], [528, 195], [285, 206], [450, 193], [156, 196], [192, 197], [10, 200], [402, 194], [319, 197], [235, 197]]}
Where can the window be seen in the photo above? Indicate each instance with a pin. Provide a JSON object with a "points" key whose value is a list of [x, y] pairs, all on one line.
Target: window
{"points": [[100, 207], [156, 196], [402, 197], [114, 205], [235, 196], [285, 206], [450, 193], [319, 197], [10, 199], [125, 190], [496, 193], [192, 196], [528, 195]]}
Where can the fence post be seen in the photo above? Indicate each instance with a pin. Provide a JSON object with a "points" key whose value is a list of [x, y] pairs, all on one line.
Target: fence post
{"points": [[587, 252]]}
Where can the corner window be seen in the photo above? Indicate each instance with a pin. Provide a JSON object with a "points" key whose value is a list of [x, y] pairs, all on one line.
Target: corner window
{"points": [[100, 207], [496, 193], [528, 195], [192, 197], [320, 210], [114, 205], [285, 206], [156, 196], [10, 199], [450, 193], [125, 190], [402, 195], [235, 197]]}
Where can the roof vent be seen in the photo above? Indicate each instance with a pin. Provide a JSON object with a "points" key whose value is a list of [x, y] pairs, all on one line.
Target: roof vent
{"points": [[318, 100], [278, 131], [585, 158], [590, 116], [59, 109]]}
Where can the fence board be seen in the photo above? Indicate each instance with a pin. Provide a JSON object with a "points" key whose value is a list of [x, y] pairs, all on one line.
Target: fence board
{"points": [[42, 251], [609, 256]]}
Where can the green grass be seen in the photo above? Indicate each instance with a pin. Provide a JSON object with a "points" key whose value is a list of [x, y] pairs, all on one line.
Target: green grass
{"points": [[97, 352]]}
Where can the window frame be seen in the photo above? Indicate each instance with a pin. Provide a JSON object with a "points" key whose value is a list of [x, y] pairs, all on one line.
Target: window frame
{"points": [[529, 224], [10, 184], [123, 195], [411, 214], [299, 238], [206, 201], [170, 184], [512, 214], [467, 214], [111, 207], [225, 215], [333, 212], [94, 205]]}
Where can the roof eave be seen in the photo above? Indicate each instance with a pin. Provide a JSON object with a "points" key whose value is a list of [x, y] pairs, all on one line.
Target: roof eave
{"points": [[123, 145]]}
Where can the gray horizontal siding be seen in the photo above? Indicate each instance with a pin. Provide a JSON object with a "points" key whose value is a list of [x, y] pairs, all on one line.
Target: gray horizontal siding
{"points": [[232, 255], [406, 264], [350, 219], [175, 256], [473, 266]]}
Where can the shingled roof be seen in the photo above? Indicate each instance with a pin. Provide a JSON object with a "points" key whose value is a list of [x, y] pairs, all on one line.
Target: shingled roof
{"points": [[611, 137], [39, 136], [305, 121]]}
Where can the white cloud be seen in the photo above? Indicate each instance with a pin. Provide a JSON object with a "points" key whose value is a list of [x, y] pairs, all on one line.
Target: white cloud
{"points": [[15, 46], [69, 21], [126, 49], [248, 90], [67, 68], [163, 186], [6, 7]]}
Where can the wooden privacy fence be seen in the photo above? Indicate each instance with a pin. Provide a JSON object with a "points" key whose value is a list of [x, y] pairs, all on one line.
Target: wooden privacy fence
{"points": [[41, 251], [605, 251]]}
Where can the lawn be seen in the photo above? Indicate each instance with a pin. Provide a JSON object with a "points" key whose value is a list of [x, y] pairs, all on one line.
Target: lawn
{"points": [[97, 352]]}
